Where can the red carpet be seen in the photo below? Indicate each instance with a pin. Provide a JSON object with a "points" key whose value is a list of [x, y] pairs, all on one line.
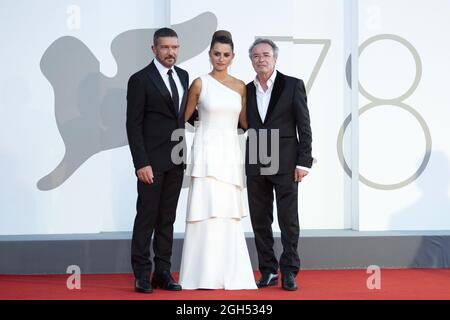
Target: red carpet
{"points": [[404, 284]]}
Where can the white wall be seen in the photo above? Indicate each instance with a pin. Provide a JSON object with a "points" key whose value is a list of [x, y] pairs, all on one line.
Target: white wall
{"points": [[392, 141], [100, 195]]}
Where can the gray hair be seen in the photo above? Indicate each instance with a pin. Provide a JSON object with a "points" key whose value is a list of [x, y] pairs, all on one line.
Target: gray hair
{"points": [[264, 40]]}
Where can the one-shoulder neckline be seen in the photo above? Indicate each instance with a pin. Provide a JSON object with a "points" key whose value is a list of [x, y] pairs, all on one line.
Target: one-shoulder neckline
{"points": [[224, 85]]}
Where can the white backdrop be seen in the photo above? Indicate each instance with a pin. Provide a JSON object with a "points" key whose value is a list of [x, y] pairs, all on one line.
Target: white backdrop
{"points": [[392, 141], [100, 195], [295, 20]]}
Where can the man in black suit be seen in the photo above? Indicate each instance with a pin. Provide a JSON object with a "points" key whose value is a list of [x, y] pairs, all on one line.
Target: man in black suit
{"points": [[156, 100], [276, 103]]}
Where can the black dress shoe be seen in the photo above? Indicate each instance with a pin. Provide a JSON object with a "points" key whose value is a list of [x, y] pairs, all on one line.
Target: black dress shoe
{"points": [[288, 281], [143, 285], [165, 281], [267, 279]]}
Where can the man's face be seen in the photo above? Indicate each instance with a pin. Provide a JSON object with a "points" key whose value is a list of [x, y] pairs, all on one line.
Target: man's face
{"points": [[166, 51], [263, 60]]}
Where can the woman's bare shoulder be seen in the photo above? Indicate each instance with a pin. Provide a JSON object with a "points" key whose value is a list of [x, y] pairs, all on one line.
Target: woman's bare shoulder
{"points": [[196, 84], [239, 84]]}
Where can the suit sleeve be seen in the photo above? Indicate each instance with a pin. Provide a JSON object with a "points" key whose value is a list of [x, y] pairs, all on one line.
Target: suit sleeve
{"points": [[304, 157], [134, 122]]}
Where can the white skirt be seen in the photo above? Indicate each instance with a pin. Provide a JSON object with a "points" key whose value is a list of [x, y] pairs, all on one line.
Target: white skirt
{"points": [[210, 197], [215, 256]]}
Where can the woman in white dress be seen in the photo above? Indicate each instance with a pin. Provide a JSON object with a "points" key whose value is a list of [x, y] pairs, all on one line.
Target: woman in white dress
{"points": [[215, 254]]}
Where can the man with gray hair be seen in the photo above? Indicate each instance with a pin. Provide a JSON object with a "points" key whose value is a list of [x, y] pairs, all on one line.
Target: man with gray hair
{"points": [[276, 102]]}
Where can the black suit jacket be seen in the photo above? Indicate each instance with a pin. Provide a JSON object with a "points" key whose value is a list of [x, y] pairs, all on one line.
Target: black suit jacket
{"points": [[287, 112], [151, 118]]}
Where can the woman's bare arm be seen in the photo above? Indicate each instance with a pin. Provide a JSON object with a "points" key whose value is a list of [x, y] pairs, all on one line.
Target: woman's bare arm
{"points": [[243, 114], [193, 96]]}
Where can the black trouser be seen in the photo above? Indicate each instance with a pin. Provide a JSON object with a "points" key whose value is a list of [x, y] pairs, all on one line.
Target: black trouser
{"points": [[156, 209], [260, 197]]}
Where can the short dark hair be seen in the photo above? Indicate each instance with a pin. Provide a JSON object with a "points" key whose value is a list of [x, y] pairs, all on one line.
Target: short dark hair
{"points": [[163, 32], [222, 36]]}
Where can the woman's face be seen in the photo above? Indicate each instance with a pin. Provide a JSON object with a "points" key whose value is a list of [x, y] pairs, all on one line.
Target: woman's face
{"points": [[221, 56]]}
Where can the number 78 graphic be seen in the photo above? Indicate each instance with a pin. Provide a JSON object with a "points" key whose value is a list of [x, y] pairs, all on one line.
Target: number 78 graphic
{"points": [[326, 43], [375, 101]]}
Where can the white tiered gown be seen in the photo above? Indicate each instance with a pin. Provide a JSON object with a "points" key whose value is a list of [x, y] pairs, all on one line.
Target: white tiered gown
{"points": [[215, 254]]}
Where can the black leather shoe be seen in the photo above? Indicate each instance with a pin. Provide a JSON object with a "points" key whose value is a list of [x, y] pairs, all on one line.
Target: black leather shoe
{"points": [[143, 285], [267, 279], [288, 281], [165, 281]]}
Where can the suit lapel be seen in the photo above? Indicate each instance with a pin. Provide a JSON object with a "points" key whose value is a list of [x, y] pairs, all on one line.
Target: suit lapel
{"points": [[278, 87], [157, 80], [252, 101]]}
